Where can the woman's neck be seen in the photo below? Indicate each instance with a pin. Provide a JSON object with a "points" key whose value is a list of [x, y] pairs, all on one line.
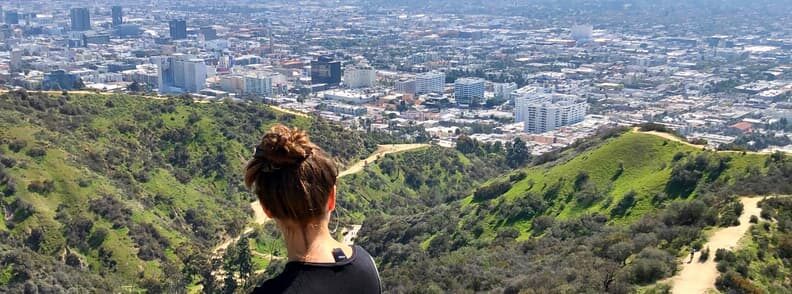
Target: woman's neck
{"points": [[311, 243]]}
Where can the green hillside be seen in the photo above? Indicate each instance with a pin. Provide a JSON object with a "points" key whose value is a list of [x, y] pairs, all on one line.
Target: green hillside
{"points": [[609, 214], [129, 190], [624, 178]]}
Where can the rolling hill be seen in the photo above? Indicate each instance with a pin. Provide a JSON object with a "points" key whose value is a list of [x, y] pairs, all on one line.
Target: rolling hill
{"points": [[609, 214], [109, 192]]}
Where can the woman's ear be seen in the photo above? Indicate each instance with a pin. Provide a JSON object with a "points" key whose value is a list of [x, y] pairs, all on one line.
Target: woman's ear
{"points": [[331, 200]]}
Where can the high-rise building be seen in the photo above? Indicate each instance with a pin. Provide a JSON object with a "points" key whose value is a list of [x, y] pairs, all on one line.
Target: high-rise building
{"points": [[406, 86], [258, 84], [208, 33], [359, 77], [178, 29], [429, 82], [80, 19], [543, 112], [469, 91], [325, 70], [118, 15], [181, 73], [2, 15], [11, 17], [15, 62]]}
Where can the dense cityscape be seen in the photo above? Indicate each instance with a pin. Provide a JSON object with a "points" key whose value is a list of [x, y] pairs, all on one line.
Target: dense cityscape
{"points": [[494, 78]]}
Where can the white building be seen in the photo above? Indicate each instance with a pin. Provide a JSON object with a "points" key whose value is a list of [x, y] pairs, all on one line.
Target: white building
{"points": [[544, 112], [503, 90], [258, 84], [469, 90], [429, 82], [359, 77], [181, 73], [406, 86], [522, 92], [348, 96]]}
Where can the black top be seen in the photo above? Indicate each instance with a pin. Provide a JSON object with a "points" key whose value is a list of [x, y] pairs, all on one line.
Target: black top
{"points": [[357, 274]]}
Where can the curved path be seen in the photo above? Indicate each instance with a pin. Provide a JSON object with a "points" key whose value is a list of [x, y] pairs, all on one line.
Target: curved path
{"points": [[680, 140], [697, 277]]}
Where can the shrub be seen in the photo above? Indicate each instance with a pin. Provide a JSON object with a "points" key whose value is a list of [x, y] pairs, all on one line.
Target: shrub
{"points": [[17, 145], [491, 190], [541, 223], [36, 152], [41, 187], [112, 210], [518, 176], [704, 255], [754, 219], [625, 204], [732, 282], [724, 255]]}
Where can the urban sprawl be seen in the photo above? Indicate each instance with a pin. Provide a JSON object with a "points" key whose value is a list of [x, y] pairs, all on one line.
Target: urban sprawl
{"points": [[493, 78]]}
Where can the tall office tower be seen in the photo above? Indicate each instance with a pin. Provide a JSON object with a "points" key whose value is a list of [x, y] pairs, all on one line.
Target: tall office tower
{"points": [[209, 33], [469, 91], [15, 61], [80, 19], [2, 18], [429, 82], [118, 15], [359, 77], [181, 73], [178, 29], [543, 112], [11, 17], [325, 70]]}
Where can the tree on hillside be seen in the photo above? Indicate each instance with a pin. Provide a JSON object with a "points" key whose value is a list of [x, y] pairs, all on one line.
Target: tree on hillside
{"points": [[517, 154], [243, 258], [466, 144]]}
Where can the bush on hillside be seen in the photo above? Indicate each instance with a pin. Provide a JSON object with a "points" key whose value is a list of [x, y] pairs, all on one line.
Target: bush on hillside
{"points": [[491, 190], [36, 152], [17, 145], [42, 187], [109, 208], [627, 202]]}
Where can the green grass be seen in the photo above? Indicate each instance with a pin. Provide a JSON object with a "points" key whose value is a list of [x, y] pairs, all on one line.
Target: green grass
{"points": [[647, 162], [748, 246], [97, 131]]}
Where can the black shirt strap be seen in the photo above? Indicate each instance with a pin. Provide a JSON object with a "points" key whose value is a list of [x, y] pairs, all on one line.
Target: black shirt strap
{"points": [[339, 255]]}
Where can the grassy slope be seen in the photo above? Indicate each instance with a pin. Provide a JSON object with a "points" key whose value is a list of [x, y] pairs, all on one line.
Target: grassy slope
{"points": [[62, 165], [446, 173], [647, 162], [756, 270]]}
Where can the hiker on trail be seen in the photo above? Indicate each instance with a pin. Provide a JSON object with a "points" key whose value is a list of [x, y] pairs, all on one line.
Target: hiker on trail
{"points": [[295, 182]]}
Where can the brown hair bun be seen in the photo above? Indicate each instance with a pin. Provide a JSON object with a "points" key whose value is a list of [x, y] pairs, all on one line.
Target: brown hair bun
{"points": [[292, 178], [283, 147]]}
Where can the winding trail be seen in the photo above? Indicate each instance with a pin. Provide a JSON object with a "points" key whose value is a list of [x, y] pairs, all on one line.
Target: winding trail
{"points": [[680, 140], [697, 277], [259, 217]]}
